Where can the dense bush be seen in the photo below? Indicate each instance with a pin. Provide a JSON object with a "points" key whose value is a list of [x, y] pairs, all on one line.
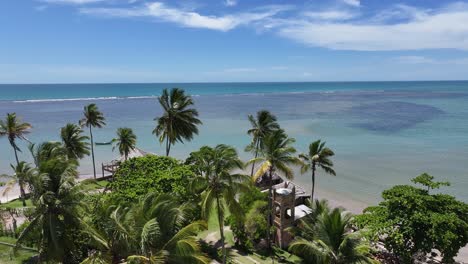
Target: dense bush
{"points": [[413, 221], [138, 176]]}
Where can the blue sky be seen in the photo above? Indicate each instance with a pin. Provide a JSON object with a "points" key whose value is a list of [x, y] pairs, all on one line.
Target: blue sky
{"points": [[68, 41]]}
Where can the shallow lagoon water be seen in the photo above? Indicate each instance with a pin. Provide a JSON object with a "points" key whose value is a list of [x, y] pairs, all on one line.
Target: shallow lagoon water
{"points": [[383, 133]]}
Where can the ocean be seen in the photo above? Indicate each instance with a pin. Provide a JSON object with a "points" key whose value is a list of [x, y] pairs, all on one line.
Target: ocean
{"points": [[383, 133]]}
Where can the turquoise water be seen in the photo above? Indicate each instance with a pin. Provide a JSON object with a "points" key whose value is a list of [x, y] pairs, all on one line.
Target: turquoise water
{"points": [[383, 133]]}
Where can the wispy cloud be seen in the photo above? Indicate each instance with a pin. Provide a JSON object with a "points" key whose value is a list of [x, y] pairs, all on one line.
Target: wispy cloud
{"points": [[330, 15], [428, 60], [437, 29], [355, 3], [414, 60], [75, 2], [230, 2], [189, 18]]}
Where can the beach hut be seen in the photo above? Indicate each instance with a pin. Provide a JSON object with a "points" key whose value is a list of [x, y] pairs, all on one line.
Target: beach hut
{"points": [[109, 169]]}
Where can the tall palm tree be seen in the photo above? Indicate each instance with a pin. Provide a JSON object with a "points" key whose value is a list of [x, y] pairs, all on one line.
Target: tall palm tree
{"points": [[23, 173], [155, 230], [13, 128], [262, 125], [276, 154], [74, 141], [125, 141], [58, 200], [328, 239], [92, 118], [318, 156], [179, 121], [219, 183]]}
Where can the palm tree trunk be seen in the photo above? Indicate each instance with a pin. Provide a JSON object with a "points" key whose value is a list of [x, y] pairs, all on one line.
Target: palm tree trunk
{"points": [[313, 183], [168, 146], [221, 229], [22, 193], [256, 155], [92, 150], [270, 205]]}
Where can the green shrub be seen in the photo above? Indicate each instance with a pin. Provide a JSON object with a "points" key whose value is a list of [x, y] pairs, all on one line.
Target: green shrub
{"points": [[138, 176]]}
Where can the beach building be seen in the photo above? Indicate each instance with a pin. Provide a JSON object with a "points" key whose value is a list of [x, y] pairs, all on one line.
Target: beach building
{"points": [[289, 206]]}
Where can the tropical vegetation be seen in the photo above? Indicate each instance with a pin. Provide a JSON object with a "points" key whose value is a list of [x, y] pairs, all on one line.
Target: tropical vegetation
{"points": [[157, 209], [318, 156], [92, 118], [125, 141], [410, 220], [179, 121]]}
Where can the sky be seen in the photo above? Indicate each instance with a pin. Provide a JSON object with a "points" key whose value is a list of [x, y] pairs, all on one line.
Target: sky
{"points": [[98, 41]]}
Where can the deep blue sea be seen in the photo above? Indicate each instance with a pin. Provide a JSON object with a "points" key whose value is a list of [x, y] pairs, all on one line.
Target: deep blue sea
{"points": [[383, 133]]}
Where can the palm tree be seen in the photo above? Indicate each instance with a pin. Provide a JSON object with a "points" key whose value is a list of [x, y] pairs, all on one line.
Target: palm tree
{"points": [[92, 118], [220, 185], [328, 239], [179, 121], [13, 128], [58, 200], [276, 154], [23, 173], [264, 124], [74, 142], [318, 156], [125, 141], [155, 230]]}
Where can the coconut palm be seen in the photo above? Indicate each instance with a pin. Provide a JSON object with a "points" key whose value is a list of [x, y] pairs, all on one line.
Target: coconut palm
{"points": [[155, 230], [179, 121], [318, 156], [74, 141], [262, 125], [57, 199], [329, 239], [219, 183], [125, 141], [276, 154], [23, 172], [92, 118], [13, 128]]}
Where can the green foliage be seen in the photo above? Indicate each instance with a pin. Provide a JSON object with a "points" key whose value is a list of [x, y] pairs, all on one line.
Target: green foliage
{"points": [[427, 180], [178, 122], [32, 238], [256, 221], [412, 221], [327, 238], [138, 176], [125, 141]]}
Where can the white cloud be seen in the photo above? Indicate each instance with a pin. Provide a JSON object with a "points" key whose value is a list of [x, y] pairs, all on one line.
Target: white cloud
{"points": [[189, 18], [330, 15], [440, 29], [355, 3], [414, 60], [230, 2], [76, 2]]}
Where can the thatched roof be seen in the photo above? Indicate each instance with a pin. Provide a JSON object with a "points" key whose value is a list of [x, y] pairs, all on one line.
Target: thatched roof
{"points": [[135, 153]]}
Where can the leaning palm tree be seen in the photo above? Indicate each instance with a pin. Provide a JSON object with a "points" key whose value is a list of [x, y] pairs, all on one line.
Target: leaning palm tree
{"points": [[262, 125], [13, 128], [58, 202], [92, 118], [328, 239], [74, 141], [23, 173], [318, 156], [125, 141], [276, 154], [179, 121], [219, 183]]}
